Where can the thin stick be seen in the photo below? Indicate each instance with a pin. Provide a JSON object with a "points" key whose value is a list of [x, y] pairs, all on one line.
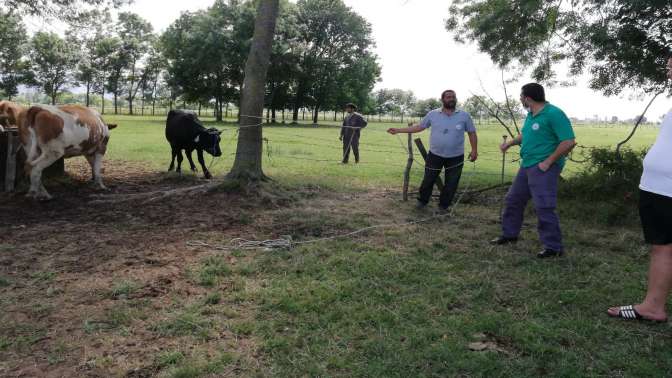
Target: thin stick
{"points": [[639, 121]]}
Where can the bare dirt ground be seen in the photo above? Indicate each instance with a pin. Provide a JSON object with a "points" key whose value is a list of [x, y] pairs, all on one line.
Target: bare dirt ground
{"points": [[100, 284], [60, 262]]}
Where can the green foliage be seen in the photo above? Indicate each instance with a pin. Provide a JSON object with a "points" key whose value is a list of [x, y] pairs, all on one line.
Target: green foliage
{"points": [[72, 11], [13, 66], [52, 60], [607, 176], [620, 43], [608, 185]]}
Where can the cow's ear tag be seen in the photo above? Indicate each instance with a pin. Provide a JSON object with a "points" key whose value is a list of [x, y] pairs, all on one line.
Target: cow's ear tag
{"points": [[198, 138]]}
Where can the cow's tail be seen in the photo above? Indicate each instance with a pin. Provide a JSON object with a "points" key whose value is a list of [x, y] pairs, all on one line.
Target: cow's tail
{"points": [[111, 126], [28, 136], [31, 115]]}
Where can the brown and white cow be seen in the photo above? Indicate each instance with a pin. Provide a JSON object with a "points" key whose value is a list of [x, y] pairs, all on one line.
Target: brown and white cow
{"points": [[49, 133], [9, 113]]}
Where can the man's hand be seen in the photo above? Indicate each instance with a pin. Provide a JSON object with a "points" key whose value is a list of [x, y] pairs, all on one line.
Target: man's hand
{"points": [[392, 131], [340, 138], [473, 155], [545, 165], [504, 146]]}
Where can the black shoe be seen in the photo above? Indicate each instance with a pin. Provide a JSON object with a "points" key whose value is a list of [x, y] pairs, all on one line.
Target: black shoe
{"points": [[503, 240], [549, 253], [419, 205]]}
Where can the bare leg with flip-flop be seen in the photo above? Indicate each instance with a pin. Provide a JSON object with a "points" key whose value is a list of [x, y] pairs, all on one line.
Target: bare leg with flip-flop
{"points": [[660, 283]]}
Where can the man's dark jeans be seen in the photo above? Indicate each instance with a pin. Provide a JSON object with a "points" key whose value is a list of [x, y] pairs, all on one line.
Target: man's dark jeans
{"points": [[433, 167]]}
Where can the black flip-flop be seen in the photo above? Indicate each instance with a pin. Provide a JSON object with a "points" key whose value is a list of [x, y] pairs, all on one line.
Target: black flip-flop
{"points": [[629, 313]]}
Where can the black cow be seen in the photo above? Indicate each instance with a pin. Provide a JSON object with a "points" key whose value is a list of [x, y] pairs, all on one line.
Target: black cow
{"points": [[185, 132]]}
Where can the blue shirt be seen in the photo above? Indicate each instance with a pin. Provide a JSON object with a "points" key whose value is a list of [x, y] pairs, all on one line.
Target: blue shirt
{"points": [[447, 132]]}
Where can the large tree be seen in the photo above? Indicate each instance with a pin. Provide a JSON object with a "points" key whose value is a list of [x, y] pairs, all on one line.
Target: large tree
{"points": [[73, 11], [247, 165], [331, 38], [52, 60], [205, 52], [13, 66], [620, 43], [105, 59], [136, 40], [89, 72]]}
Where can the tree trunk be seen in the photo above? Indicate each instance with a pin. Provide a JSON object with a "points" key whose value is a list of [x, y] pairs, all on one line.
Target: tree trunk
{"points": [[116, 109], [102, 101], [247, 165], [154, 94], [316, 114], [88, 93], [53, 98]]}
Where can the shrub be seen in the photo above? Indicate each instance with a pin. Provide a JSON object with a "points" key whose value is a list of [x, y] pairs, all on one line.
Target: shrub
{"points": [[607, 188]]}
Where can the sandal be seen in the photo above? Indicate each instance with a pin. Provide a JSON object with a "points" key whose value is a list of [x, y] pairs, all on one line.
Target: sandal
{"points": [[629, 313]]}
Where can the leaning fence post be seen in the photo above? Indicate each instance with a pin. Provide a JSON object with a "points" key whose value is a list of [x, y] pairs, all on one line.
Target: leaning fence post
{"points": [[503, 159], [409, 164]]}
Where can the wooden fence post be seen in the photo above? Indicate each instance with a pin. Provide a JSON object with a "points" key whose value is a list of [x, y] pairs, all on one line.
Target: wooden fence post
{"points": [[423, 152], [409, 164]]}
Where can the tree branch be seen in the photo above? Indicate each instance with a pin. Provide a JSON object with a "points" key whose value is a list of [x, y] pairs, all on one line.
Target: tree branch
{"points": [[639, 121]]}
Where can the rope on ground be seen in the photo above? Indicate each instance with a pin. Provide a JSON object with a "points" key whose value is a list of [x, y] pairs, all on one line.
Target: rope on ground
{"points": [[286, 242]]}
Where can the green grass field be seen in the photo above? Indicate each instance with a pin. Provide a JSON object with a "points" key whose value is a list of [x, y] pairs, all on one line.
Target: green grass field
{"points": [[307, 154]]}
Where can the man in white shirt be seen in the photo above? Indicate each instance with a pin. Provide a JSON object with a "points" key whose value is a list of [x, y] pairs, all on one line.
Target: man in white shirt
{"points": [[655, 210]]}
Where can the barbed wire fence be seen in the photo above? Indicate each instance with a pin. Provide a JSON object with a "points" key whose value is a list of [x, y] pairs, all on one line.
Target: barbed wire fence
{"points": [[287, 242]]}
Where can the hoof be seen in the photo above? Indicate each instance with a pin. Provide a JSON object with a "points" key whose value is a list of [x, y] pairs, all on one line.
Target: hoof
{"points": [[207, 176]]}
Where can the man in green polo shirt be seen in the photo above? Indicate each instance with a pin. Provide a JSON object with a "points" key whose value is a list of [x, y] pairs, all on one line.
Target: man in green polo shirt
{"points": [[546, 139]]}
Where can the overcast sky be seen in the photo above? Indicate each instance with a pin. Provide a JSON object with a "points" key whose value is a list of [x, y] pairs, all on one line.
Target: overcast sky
{"points": [[417, 53]]}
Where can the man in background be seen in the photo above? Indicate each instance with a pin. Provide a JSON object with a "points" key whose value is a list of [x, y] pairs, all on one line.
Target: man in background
{"points": [[353, 123]]}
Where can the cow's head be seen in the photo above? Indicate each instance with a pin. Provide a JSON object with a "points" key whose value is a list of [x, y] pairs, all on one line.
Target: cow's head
{"points": [[208, 140]]}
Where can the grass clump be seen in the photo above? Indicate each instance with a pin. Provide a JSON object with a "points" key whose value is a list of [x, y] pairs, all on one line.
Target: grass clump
{"points": [[211, 270], [189, 322]]}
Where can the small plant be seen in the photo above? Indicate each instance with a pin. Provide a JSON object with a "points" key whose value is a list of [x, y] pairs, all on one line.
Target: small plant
{"points": [[211, 270], [169, 358], [213, 298], [57, 355], [189, 322], [43, 276], [4, 282], [5, 343], [124, 289]]}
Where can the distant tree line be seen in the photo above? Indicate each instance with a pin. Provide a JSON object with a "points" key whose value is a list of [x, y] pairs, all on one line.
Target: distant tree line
{"points": [[321, 58]]}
